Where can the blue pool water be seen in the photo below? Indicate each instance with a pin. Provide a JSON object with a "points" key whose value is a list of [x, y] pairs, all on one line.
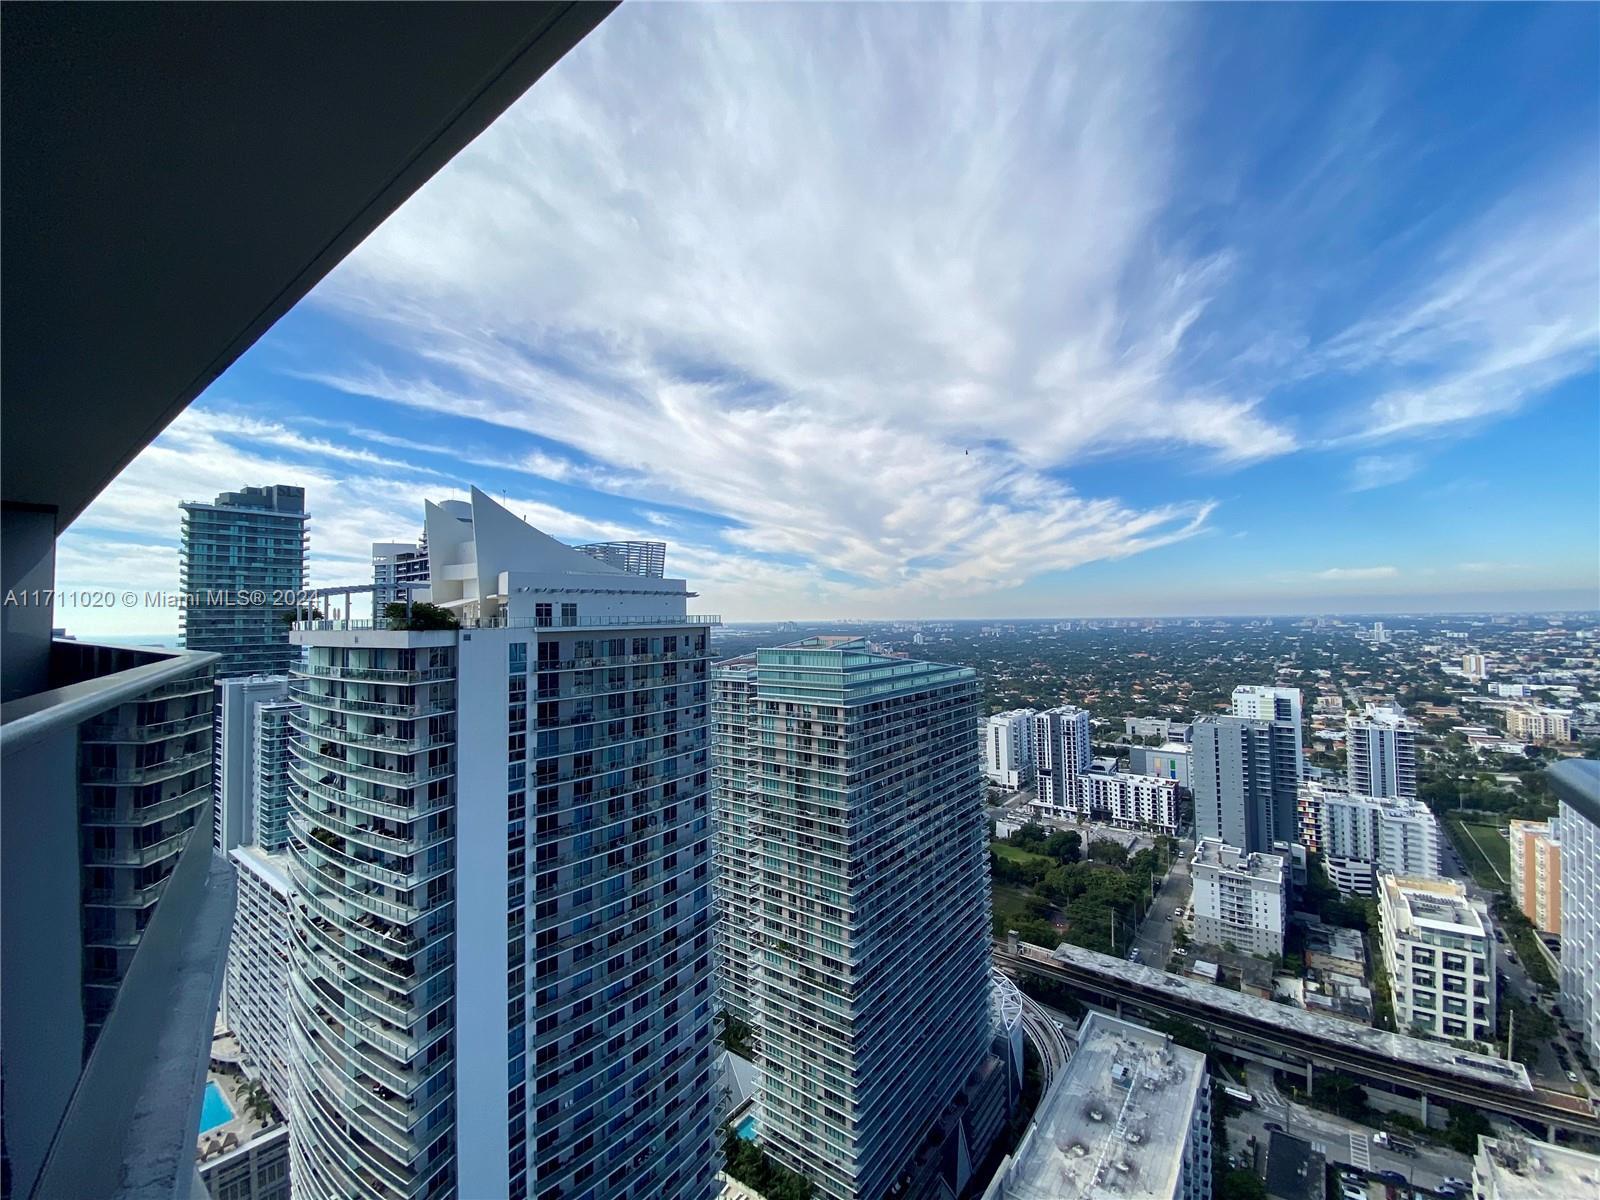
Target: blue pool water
{"points": [[747, 1128], [215, 1110]]}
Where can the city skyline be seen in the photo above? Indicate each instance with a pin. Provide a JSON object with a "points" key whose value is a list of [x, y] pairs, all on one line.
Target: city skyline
{"points": [[1188, 306]]}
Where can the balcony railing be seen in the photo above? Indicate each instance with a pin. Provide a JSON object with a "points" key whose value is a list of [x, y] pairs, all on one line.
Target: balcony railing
{"points": [[608, 622]]}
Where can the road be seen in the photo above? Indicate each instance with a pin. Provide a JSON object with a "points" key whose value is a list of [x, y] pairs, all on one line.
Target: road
{"points": [[1154, 939], [1342, 1142]]}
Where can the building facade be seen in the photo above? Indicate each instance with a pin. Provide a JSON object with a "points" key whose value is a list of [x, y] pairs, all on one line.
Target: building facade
{"points": [[255, 994], [1132, 1109], [1127, 801], [1381, 754], [1008, 749], [1257, 702], [1244, 775], [873, 1005], [1576, 783], [1240, 899], [636, 558], [275, 727], [236, 755], [1536, 873], [1539, 724], [501, 973], [1167, 761], [1363, 836], [394, 564], [1061, 752], [242, 568], [1440, 958], [1474, 666], [735, 761]]}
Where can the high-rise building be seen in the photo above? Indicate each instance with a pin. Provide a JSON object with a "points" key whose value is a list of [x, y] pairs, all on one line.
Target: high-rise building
{"points": [[1240, 899], [107, 774], [1522, 1168], [1381, 754], [500, 853], [872, 934], [1363, 836], [1245, 781], [242, 569], [735, 761], [1474, 667], [1576, 783], [1258, 702], [1536, 873], [269, 795], [1440, 958], [393, 564], [255, 994], [1061, 752], [236, 756], [1008, 748], [1130, 1117]]}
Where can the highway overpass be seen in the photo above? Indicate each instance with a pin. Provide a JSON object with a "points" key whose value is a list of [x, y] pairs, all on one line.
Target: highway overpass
{"points": [[1429, 1070]]}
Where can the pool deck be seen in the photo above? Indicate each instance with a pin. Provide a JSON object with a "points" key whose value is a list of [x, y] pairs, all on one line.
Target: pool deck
{"points": [[233, 1083]]}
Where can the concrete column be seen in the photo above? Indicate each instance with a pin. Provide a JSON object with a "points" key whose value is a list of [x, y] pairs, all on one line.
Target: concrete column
{"points": [[1423, 1102], [1311, 1077]]}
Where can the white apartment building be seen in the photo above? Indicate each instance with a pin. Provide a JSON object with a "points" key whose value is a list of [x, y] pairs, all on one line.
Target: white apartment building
{"points": [[1539, 724], [1127, 801], [235, 754], [395, 563], [268, 803], [1440, 958], [735, 781], [1381, 754], [1536, 872], [1577, 785], [1008, 748], [1061, 752], [1129, 1119], [1239, 899], [1474, 667], [1167, 761], [501, 974], [1521, 1168], [1258, 702], [255, 995], [1363, 836]]}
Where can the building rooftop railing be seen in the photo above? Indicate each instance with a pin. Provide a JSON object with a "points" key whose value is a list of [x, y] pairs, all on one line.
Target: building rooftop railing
{"points": [[607, 622]]}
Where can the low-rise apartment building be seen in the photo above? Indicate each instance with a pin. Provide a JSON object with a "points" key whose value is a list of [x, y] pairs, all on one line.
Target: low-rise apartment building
{"points": [[1240, 899], [1440, 957]]}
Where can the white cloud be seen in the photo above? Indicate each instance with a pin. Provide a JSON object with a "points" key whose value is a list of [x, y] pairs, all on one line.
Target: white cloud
{"points": [[1381, 470], [1349, 573]]}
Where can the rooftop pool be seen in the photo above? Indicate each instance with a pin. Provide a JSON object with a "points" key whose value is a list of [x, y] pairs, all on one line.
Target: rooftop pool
{"points": [[747, 1128], [215, 1109]]}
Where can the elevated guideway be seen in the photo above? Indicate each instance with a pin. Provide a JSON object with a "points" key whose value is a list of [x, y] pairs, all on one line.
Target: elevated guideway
{"points": [[1432, 1070]]}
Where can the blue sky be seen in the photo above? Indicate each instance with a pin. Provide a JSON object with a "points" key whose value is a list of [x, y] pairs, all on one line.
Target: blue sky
{"points": [[894, 310]]}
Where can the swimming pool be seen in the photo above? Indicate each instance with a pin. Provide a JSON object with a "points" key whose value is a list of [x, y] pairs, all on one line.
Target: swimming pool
{"points": [[747, 1128], [215, 1109]]}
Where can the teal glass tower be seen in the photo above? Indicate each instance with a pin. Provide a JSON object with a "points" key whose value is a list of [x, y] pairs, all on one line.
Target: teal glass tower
{"points": [[243, 562], [870, 878]]}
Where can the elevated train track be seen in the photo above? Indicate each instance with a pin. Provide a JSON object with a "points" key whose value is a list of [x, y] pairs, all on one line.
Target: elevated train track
{"points": [[1459, 1077]]}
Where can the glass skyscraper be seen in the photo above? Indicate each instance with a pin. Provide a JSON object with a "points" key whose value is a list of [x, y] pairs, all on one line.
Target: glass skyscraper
{"points": [[242, 565], [871, 889]]}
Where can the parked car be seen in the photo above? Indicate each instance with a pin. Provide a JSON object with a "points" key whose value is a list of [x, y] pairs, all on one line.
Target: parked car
{"points": [[1452, 1181], [1391, 1177], [1181, 952], [1352, 1193], [1572, 1077]]}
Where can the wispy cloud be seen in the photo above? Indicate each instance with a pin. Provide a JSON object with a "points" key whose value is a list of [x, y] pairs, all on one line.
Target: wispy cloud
{"points": [[1381, 470], [1337, 574]]}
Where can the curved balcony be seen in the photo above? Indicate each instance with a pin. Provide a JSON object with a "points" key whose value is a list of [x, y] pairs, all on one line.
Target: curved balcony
{"points": [[309, 874], [374, 708], [139, 856], [365, 929], [155, 732], [389, 675], [382, 968], [371, 805], [365, 1119], [400, 780], [338, 1142], [371, 839], [322, 732], [403, 881], [127, 815], [364, 994], [151, 772]]}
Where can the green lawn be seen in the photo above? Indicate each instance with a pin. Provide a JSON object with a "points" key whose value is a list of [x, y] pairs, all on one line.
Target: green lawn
{"points": [[1014, 854], [1486, 853]]}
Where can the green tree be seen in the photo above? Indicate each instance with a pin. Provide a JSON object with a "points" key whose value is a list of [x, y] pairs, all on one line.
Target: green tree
{"points": [[1239, 1185], [424, 616], [1466, 1125], [1339, 1093]]}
